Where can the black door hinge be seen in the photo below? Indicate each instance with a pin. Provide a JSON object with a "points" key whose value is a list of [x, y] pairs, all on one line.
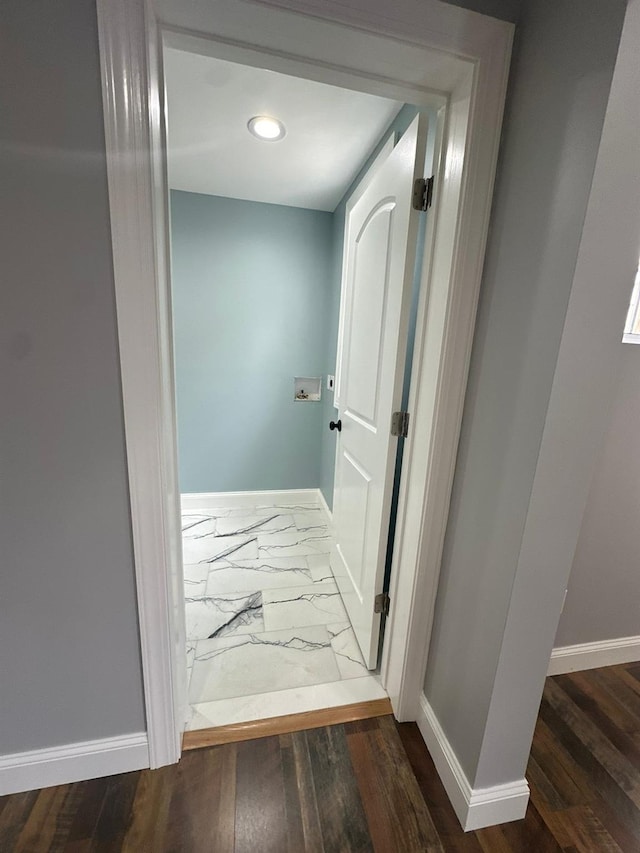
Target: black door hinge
{"points": [[400, 424], [381, 604], [423, 193]]}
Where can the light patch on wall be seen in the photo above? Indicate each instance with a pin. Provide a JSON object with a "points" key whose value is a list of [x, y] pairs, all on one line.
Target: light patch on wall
{"points": [[632, 324]]}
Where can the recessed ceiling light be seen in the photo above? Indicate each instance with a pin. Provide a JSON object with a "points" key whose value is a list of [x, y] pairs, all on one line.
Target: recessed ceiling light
{"points": [[266, 128]]}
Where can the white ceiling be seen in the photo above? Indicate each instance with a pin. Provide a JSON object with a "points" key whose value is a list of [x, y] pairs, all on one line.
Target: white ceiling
{"points": [[330, 132]]}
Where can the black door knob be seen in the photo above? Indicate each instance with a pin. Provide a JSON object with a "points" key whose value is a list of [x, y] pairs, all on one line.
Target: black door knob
{"points": [[335, 425]]}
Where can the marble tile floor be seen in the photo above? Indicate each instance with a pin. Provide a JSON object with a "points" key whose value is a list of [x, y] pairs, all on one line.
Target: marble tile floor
{"points": [[267, 633]]}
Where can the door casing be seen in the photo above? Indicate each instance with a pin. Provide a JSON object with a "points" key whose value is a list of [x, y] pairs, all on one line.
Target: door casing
{"points": [[428, 54]]}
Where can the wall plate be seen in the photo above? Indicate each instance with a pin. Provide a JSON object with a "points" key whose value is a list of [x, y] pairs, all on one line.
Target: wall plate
{"points": [[307, 389]]}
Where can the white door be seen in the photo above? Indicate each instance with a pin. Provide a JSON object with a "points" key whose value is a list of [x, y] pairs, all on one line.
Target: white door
{"points": [[379, 257]]}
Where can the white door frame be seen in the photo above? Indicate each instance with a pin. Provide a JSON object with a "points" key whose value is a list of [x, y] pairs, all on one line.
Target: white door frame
{"points": [[428, 53]]}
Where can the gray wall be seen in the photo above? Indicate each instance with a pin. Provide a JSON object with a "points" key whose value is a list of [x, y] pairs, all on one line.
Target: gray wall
{"points": [[504, 10], [603, 600], [563, 61], [250, 299], [68, 638], [69, 648]]}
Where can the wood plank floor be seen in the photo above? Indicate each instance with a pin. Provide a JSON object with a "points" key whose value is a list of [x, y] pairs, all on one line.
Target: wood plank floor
{"points": [[368, 785]]}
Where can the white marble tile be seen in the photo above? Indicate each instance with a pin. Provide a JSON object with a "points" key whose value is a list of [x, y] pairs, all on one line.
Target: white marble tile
{"points": [[288, 509], [191, 520], [292, 543], [312, 604], [210, 549], [282, 537], [220, 512], [257, 663], [223, 615], [318, 561], [239, 511], [259, 579], [347, 651], [295, 700], [249, 575], [294, 549], [195, 579], [195, 588], [195, 572], [200, 529], [318, 540], [191, 653], [312, 521], [320, 567], [324, 575], [254, 524]]}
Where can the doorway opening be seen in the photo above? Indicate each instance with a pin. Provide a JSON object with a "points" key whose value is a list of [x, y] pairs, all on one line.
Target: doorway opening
{"points": [[450, 59], [261, 304]]}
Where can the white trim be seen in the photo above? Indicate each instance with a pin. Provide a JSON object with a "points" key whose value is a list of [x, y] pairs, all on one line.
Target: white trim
{"points": [[450, 287], [474, 807], [632, 323], [211, 500], [128, 53], [325, 506], [428, 53], [73, 762], [592, 655]]}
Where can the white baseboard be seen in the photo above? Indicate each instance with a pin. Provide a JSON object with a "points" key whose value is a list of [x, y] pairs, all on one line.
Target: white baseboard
{"points": [[212, 500], [73, 762], [325, 505], [475, 808], [591, 655]]}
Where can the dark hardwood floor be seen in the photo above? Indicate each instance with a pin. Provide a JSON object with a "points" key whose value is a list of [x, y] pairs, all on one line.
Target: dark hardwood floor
{"points": [[363, 786]]}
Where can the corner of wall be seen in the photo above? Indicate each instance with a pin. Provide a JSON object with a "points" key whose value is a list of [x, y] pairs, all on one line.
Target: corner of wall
{"points": [[475, 808]]}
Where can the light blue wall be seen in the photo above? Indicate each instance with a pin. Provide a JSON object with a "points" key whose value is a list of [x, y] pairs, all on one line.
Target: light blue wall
{"points": [[251, 288], [265, 254]]}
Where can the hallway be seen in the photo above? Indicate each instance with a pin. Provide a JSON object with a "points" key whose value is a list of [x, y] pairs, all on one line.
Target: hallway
{"points": [[363, 786]]}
